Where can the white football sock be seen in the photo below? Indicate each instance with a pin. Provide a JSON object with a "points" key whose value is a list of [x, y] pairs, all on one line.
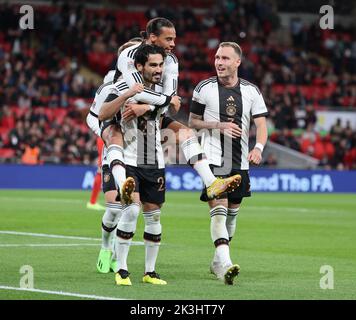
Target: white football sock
{"points": [[119, 173], [125, 231], [204, 171], [152, 238], [194, 155], [231, 221], [219, 235], [111, 216], [115, 156], [116, 210], [223, 255]]}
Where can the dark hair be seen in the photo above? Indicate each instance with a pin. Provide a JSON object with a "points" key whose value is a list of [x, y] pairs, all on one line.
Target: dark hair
{"points": [[143, 52], [155, 26], [136, 39]]}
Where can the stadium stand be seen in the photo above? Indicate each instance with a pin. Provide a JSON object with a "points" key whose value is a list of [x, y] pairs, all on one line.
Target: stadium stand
{"points": [[44, 95]]}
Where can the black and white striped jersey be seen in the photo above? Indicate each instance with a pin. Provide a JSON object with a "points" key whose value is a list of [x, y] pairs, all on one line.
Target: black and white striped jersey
{"points": [[126, 65], [237, 104], [142, 135], [100, 96]]}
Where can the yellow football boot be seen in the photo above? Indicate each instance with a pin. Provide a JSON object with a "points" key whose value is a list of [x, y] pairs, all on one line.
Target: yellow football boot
{"points": [[231, 273], [153, 278], [122, 278], [221, 185]]}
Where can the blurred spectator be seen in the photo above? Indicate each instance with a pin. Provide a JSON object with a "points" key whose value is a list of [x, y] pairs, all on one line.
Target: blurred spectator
{"points": [[287, 139], [310, 116], [46, 70], [31, 154]]}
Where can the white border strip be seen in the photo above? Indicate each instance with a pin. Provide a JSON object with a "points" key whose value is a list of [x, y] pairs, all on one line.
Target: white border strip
{"points": [[57, 236], [13, 245], [61, 293]]}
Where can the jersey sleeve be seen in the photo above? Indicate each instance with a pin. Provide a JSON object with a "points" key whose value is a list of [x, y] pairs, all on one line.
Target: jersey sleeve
{"points": [[93, 123], [170, 75], [126, 66], [258, 108], [100, 98], [197, 105], [111, 94]]}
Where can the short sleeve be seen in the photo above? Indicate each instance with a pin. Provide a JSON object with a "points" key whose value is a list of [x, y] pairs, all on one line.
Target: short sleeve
{"points": [[112, 94], [197, 105], [258, 108]]}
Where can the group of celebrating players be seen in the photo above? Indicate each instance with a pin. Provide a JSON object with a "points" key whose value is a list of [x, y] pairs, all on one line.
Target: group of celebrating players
{"points": [[130, 113]]}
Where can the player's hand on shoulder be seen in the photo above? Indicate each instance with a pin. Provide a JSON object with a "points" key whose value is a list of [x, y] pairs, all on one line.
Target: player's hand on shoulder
{"points": [[136, 88], [134, 110], [255, 156], [230, 129], [175, 104]]}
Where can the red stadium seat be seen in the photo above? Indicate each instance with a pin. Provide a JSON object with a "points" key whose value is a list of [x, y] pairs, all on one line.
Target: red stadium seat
{"points": [[130, 18], [214, 32], [7, 153], [100, 61]]}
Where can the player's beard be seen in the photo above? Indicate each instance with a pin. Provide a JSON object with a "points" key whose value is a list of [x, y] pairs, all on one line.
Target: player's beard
{"points": [[156, 78], [152, 78]]}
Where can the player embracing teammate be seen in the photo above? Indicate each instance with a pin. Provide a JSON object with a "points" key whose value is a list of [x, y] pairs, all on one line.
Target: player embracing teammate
{"points": [[148, 74]]}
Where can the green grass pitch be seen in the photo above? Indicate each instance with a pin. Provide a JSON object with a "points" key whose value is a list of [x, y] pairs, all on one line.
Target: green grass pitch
{"points": [[282, 241]]}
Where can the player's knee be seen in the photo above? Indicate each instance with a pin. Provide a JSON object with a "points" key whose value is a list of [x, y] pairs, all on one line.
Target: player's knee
{"points": [[115, 210], [132, 212], [185, 134], [114, 135], [110, 195], [105, 136], [115, 140], [152, 217], [110, 218]]}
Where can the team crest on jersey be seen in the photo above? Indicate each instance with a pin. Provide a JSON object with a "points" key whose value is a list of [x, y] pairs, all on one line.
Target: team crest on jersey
{"points": [[131, 65], [231, 109], [106, 177]]}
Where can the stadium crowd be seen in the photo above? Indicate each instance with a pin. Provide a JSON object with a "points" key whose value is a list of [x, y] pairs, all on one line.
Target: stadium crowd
{"points": [[299, 72]]}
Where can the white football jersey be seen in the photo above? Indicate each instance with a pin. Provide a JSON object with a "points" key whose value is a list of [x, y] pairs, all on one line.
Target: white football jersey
{"points": [[142, 135], [126, 65], [238, 104], [100, 96]]}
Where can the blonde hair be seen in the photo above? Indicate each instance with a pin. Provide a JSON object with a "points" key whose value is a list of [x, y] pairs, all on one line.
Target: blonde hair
{"points": [[233, 45]]}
